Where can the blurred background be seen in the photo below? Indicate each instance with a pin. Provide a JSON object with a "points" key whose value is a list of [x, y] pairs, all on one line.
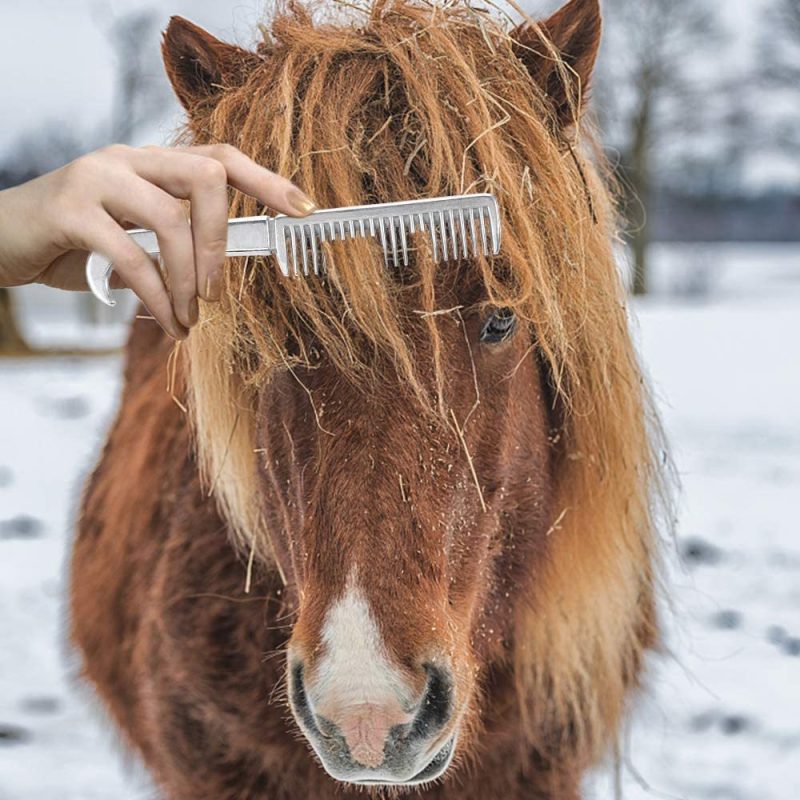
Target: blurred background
{"points": [[699, 103]]}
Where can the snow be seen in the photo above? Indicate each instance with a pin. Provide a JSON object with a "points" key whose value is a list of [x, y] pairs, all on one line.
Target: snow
{"points": [[720, 719], [54, 414]]}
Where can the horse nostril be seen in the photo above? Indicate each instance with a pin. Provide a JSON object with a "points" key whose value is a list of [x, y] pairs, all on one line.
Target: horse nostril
{"points": [[299, 697], [298, 688], [437, 705]]}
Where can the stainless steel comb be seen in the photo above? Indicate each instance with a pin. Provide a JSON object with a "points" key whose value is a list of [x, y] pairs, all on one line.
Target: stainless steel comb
{"points": [[457, 226]]}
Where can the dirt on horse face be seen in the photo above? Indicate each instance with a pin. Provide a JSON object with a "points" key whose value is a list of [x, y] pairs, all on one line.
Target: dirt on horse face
{"points": [[399, 528]]}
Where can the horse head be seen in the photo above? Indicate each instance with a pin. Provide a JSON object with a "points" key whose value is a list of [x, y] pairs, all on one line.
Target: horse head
{"points": [[399, 442]]}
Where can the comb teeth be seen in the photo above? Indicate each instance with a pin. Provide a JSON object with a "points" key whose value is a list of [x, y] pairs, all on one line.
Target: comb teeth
{"points": [[457, 227]]}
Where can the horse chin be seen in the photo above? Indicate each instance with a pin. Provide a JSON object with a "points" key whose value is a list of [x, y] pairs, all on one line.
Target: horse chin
{"points": [[437, 766], [434, 769]]}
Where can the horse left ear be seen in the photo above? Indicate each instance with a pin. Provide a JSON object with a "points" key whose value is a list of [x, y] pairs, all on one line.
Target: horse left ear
{"points": [[560, 54], [199, 66]]}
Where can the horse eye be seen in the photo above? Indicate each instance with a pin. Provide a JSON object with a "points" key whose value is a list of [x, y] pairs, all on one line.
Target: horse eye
{"points": [[499, 327]]}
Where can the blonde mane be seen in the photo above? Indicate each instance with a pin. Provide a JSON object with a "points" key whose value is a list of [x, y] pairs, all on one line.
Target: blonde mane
{"points": [[400, 100]]}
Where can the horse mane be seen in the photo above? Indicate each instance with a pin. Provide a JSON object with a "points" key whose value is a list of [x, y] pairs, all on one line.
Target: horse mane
{"points": [[402, 99]]}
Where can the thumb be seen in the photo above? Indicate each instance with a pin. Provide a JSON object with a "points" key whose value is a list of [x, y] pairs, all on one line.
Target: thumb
{"points": [[68, 272]]}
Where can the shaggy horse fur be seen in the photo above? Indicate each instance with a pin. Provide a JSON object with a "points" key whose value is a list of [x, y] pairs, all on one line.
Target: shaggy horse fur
{"points": [[500, 502]]}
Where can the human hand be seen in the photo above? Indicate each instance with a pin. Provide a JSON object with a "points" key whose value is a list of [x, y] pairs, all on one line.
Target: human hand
{"points": [[49, 225]]}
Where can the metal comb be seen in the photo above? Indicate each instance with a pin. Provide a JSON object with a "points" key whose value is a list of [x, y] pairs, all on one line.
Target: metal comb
{"points": [[457, 226]]}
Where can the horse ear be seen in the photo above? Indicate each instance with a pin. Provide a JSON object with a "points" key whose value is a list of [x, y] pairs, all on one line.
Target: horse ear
{"points": [[198, 65], [573, 34]]}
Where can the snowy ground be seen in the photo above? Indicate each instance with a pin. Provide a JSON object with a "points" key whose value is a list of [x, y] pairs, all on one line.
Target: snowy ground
{"points": [[722, 721]]}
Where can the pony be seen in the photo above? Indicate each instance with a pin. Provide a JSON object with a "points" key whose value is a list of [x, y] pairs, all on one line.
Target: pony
{"points": [[389, 529]]}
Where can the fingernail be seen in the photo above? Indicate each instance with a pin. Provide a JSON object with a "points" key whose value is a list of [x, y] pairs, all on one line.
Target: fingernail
{"points": [[178, 331], [194, 311], [213, 289], [300, 202]]}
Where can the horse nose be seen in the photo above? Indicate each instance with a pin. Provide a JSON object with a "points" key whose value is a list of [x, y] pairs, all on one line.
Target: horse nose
{"points": [[365, 728], [378, 738]]}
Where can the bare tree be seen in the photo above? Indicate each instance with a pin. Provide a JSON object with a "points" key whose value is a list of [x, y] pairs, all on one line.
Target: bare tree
{"points": [[12, 342], [141, 92], [650, 98], [781, 45], [780, 74]]}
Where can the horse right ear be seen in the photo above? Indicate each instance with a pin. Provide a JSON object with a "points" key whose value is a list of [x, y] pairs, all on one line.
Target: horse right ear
{"points": [[560, 53], [200, 66]]}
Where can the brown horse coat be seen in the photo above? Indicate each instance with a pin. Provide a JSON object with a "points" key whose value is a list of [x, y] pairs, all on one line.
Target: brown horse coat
{"points": [[366, 448]]}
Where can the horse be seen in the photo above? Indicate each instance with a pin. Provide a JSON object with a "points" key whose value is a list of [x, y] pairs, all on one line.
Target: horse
{"points": [[394, 528]]}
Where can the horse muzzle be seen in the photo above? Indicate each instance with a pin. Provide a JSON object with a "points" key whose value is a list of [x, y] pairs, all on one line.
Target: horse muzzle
{"points": [[379, 740]]}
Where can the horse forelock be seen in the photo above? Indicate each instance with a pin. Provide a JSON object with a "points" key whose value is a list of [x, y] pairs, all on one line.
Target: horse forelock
{"points": [[409, 100]]}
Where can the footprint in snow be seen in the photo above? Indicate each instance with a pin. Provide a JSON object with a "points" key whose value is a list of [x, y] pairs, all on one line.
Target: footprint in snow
{"points": [[734, 724], [792, 646], [41, 705], [728, 620], [21, 527], [697, 551], [728, 724], [12, 734], [789, 645], [776, 634]]}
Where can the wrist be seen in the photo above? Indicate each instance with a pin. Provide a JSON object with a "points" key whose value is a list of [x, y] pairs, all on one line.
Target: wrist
{"points": [[22, 245], [10, 272]]}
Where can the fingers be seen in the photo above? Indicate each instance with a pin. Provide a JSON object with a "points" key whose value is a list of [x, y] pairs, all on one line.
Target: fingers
{"points": [[67, 272], [136, 270], [202, 175], [251, 178], [204, 182], [140, 201], [209, 205]]}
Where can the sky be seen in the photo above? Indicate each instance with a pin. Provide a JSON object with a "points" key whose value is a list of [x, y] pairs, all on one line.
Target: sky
{"points": [[57, 64]]}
